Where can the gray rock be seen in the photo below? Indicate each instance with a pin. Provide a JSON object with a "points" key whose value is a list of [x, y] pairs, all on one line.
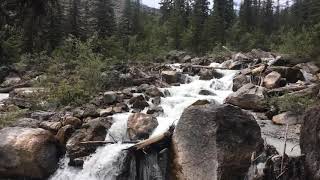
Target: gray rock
{"points": [[138, 102], [248, 97], [206, 92], [109, 97], [27, 122], [140, 126], [171, 77], [239, 81], [286, 118], [309, 142], [42, 115], [28, 153], [272, 80], [214, 142]]}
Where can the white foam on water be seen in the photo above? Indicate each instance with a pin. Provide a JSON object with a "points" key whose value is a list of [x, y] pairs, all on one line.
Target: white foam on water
{"points": [[105, 163]]}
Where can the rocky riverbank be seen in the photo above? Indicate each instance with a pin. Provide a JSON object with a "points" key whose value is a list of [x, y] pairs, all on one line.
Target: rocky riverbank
{"points": [[240, 137]]}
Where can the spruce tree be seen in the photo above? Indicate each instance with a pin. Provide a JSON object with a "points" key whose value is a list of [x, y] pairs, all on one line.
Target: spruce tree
{"points": [[105, 18], [177, 23], [198, 22]]}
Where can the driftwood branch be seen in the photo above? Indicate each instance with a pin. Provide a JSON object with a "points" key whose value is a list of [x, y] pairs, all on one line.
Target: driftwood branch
{"points": [[284, 148], [8, 89], [138, 145], [204, 67]]}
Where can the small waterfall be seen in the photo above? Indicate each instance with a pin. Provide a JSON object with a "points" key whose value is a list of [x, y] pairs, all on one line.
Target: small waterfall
{"points": [[107, 162]]}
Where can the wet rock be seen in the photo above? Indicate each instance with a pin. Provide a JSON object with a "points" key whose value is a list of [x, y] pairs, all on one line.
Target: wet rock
{"points": [[171, 77], [214, 142], [140, 126], [248, 97], [156, 101], [142, 88], [93, 130], [27, 122], [138, 102], [154, 92], [27, 153], [51, 126], [309, 142], [286, 118], [156, 110], [74, 121], [200, 102], [239, 81], [167, 93], [272, 80], [206, 92], [208, 74], [64, 134], [42, 115], [292, 75], [109, 97]]}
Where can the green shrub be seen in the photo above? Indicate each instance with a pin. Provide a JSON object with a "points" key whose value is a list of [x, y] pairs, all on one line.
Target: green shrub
{"points": [[293, 103], [10, 117]]}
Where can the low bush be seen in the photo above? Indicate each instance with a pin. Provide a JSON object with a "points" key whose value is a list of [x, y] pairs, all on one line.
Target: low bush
{"points": [[293, 103]]}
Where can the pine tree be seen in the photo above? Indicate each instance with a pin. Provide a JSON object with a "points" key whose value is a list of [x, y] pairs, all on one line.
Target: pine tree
{"points": [[246, 15], [105, 18], [268, 20], [198, 22], [177, 23]]}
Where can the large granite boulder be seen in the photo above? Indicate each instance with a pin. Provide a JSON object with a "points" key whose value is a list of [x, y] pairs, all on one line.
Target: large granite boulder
{"points": [[27, 153], [141, 125], [309, 142], [249, 96], [214, 142]]}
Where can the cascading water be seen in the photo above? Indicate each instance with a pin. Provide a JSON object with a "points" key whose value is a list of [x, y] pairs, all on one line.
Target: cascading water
{"points": [[106, 163]]}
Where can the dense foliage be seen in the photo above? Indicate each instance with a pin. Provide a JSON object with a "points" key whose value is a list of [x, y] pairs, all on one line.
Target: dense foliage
{"points": [[78, 39]]}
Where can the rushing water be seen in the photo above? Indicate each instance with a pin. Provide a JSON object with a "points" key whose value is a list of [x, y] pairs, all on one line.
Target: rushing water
{"points": [[105, 164], [3, 96]]}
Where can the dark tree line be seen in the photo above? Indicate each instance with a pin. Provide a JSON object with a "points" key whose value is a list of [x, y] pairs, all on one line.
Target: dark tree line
{"points": [[195, 25]]}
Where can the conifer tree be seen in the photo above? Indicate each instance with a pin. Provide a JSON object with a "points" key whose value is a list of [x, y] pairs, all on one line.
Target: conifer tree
{"points": [[198, 23], [105, 18]]}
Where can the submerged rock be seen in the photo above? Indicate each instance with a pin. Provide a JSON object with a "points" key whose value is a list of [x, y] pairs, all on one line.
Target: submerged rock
{"points": [[140, 125], [214, 142], [28, 153]]}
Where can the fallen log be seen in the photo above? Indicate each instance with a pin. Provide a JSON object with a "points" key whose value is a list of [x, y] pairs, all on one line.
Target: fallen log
{"points": [[8, 89], [138, 145], [204, 67], [100, 143]]}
